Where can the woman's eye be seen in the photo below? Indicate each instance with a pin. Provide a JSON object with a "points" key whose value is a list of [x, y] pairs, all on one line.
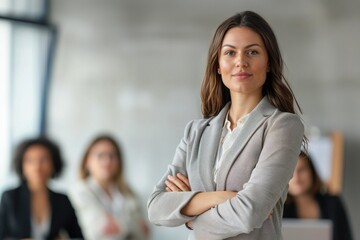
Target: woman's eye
{"points": [[230, 53], [252, 52]]}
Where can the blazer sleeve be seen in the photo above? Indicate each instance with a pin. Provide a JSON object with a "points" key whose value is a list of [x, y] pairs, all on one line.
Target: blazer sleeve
{"points": [[91, 215], [72, 225], [164, 207], [268, 182], [337, 213], [3, 215]]}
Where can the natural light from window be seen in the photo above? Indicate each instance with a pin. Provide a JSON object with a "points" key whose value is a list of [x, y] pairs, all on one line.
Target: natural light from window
{"points": [[5, 30]]}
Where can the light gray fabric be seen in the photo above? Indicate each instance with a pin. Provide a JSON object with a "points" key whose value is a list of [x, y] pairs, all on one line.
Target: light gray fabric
{"points": [[87, 198], [259, 169]]}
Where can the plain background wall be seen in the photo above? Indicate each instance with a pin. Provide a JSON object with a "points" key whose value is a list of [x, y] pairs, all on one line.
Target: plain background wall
{"points": [[134, 69]]}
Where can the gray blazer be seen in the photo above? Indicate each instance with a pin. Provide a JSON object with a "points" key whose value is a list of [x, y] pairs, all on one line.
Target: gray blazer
{"points": [[259, 169]]}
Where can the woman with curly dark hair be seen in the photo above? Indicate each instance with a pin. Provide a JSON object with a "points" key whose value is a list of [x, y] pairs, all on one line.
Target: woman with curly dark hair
{"points": [[32, 210]]}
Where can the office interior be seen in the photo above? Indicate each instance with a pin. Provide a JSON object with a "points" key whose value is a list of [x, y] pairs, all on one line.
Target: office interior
{"points": [[76, 68]]}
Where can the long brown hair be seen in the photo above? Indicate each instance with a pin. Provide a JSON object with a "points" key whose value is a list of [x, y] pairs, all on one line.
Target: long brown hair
{"points": [[317, 185], [119, 176], [214, 94]]}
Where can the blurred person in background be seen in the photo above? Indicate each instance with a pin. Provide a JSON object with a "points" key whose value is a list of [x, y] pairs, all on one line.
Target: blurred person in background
{"points": [[106, 206], [32, 210], [307, 199], [232, 167]]}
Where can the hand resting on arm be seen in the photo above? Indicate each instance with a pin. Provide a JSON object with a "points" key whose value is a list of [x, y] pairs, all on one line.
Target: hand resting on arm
{"points": [[202, 201]]}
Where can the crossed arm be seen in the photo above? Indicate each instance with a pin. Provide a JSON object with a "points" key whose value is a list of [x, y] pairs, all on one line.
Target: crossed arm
{"points": [[202, 201]]}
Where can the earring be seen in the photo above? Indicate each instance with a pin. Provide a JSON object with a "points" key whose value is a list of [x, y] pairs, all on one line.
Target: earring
{"points": [[219, 71]]}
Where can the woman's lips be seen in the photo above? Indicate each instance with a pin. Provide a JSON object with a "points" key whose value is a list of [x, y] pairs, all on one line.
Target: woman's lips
{"points": [[242, 75]]}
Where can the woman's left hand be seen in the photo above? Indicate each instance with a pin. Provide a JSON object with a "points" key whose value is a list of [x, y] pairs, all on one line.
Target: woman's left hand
{"points": [[178, 183]]}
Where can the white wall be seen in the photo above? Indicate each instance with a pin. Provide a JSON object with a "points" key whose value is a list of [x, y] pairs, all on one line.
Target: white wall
{"points": [[134, 68]]}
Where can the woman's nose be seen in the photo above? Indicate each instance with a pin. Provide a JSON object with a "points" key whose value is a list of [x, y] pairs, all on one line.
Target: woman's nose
{"points": [[241, 61]]}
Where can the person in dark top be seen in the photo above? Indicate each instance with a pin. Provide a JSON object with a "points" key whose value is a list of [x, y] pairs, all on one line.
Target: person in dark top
{"points": [[307, 200], [32, 210]]}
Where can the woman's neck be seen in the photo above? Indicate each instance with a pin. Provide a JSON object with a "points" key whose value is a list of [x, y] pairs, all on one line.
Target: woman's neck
{"points": [[106, 186], [36, 187], [303, 199], [307, 207], [242, 105]]}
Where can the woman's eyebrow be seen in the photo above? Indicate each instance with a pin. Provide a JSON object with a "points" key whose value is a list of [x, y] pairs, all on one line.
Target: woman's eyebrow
{"points": [[247, 46]]}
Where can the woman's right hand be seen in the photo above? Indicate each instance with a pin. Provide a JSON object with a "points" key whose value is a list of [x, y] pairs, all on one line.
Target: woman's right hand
{"points": [[111, 227], [201, 201], [178, 183]]}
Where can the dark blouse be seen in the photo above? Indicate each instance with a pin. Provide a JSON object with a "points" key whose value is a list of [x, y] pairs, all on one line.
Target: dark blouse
{"points": [[331, 207], [15, 215]]}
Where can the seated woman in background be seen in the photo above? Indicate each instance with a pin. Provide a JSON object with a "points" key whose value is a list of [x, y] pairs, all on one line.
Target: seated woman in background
{"points": [[307, 200], [106, 206], [32, 210]]}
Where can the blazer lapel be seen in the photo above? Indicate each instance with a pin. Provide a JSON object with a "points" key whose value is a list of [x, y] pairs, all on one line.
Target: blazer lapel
{"points": [[208, 148], [25, 211], [255, 120], [54, 215]]}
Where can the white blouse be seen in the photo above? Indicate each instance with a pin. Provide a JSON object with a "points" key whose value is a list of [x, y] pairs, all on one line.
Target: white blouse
{"points": [[92, 204], [228, 137], [40, 230]]}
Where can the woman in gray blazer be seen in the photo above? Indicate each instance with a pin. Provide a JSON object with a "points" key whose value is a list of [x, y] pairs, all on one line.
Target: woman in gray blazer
{"points": [[230, 173]]}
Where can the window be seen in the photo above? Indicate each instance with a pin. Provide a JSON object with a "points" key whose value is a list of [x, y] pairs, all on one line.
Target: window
{"points": [[27, 45], [4, 101]]}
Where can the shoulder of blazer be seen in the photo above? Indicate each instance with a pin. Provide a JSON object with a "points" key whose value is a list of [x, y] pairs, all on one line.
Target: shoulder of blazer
{"points": [[20, 193], [9, 197], [16, 202], [11, 193], [202, 123]]}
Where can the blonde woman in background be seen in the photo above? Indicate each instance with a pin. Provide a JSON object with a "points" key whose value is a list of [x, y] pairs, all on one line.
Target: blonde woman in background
{"points": [[106, 206]]}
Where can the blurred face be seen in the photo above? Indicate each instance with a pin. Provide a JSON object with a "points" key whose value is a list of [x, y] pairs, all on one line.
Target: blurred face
{"points": [[243, 61], [103, 161], [301, 182], [37, 165]]}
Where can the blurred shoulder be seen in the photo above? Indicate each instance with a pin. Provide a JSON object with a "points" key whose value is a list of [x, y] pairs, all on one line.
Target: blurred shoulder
{"points": [[79, 188], [11, 191], [330, 199], [15, 193], [10, 194]]}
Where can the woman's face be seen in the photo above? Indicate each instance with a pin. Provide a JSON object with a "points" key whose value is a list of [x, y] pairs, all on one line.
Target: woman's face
{"points": [[37, 165], [243, 61], [103, 161], [301, 181]]}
